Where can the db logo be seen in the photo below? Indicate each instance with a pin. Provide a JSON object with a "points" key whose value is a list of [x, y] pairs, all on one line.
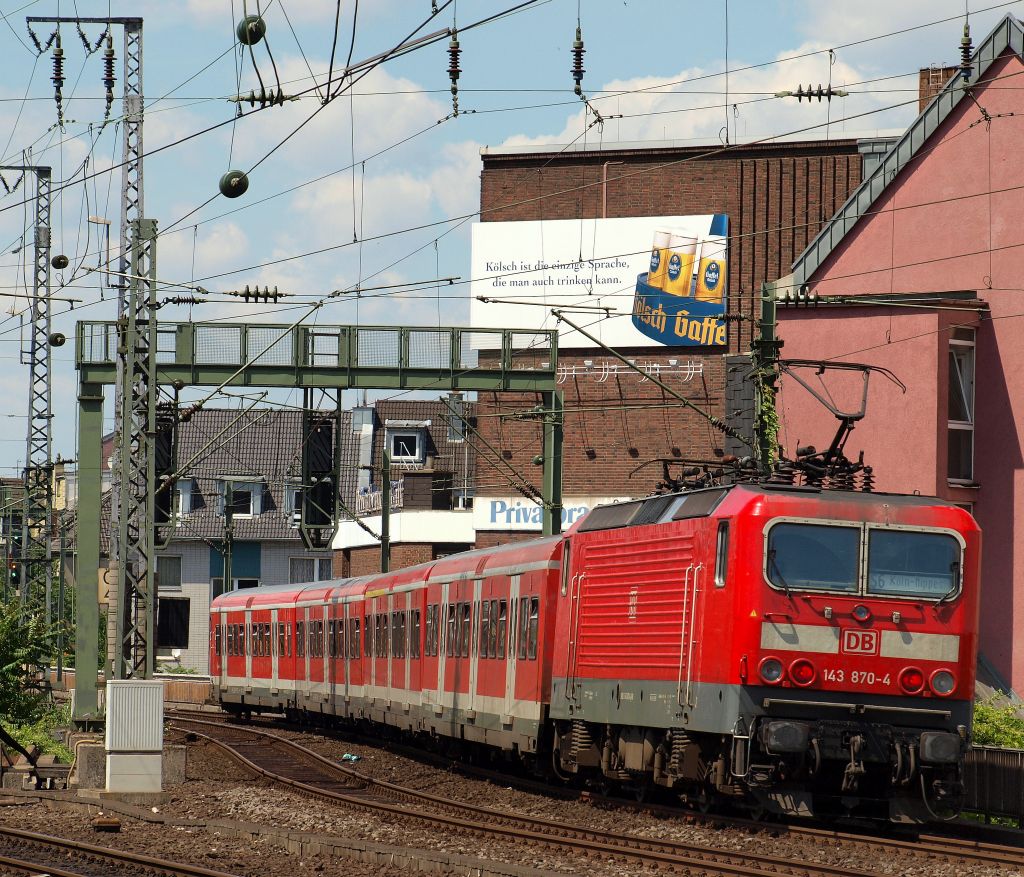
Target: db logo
{"points": [[861, 642]]}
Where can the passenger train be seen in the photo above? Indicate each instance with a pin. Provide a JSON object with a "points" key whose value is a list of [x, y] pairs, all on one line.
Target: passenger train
{"points": [[797, 650]]}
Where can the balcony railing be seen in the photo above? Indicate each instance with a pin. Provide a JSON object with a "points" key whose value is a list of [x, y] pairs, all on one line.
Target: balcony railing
{"points": [[370, 503]]}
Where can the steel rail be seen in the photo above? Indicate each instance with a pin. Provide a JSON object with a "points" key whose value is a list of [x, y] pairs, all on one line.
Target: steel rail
{"points": [[105, 855], [378, 795]]}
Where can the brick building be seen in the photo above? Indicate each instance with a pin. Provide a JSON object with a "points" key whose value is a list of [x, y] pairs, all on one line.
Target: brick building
{"points": [[619, 424]]}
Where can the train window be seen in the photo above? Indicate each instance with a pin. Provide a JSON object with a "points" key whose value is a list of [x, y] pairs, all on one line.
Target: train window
{"points": [[353, 638], [368, 642], [231, 640], [430, 638], [216, 640], [907, 564], [384, 635], [722, 554], [501, 627], [450, 638], [331, 642], [465, 630], [813, 557], [281, 628], [398, 634], [288, 639], [414, 633], [524, 622], [512, 628], [300, 639], [485, 628], [339, 632], [531, 651]]}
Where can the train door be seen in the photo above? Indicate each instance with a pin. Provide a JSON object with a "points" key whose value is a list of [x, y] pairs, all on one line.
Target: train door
{"points": [[221, 646], [274, 657], [570, 589], [400, 667], [414, 653], [475, 632], [443, 647], [689, 636], [509, 707], [247, 643]]}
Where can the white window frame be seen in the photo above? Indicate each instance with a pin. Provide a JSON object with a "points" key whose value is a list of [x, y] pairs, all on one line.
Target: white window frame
{"points": [[420, 436], [969, 396], [183, 493], [160, 560], [255, 489]]}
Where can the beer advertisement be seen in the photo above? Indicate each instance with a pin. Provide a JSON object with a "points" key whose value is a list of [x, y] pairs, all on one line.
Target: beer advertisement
{"points": [[636, 282]]}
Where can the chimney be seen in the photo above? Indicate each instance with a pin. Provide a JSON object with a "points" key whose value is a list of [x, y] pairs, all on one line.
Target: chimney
{"points": [[931, 80]]}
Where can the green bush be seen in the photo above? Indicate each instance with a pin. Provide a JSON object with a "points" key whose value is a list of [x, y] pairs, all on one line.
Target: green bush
{"points": [[26, 643], [39, 732], [998, 723]]}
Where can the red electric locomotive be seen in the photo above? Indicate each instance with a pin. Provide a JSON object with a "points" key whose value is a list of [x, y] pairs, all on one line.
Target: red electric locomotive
{"points": [[802, 650]]}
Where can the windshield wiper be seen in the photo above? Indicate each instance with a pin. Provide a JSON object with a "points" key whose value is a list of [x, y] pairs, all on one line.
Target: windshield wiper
{"points": [[954, 568], [775, 566]]}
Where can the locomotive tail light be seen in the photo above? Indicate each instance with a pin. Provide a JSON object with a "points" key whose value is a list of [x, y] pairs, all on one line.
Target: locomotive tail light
{"points": [[802, 672], [784, 737], [911, 680], [861, 612], [942, 683], [940, 747], [770, 670]]}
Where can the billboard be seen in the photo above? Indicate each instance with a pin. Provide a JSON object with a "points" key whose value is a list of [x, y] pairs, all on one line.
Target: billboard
{"points": [[633, 282]]}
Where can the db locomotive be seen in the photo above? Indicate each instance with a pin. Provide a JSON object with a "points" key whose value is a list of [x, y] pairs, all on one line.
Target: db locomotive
{"points": [[799, 650]]}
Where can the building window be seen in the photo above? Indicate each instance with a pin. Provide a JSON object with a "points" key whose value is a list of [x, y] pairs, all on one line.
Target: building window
{"points": [[246, 498], [183, 499], [168, 572], [960, 464], [172, 623], [217, 585], [308, 569], [406, 447]]}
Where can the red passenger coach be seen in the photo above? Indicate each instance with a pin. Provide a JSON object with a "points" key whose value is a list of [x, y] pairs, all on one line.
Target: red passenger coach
{"points": [[804, 651]]}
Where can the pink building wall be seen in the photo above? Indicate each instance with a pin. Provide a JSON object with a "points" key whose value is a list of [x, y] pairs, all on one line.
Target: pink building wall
{"points": [[951, 220]]}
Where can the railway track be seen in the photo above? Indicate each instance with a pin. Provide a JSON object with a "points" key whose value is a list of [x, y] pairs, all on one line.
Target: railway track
{"points": [[286, 762], [36, 854], [921, 846]]}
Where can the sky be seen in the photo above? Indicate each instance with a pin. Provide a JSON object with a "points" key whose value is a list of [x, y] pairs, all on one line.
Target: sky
{"points": [[379, 185]]}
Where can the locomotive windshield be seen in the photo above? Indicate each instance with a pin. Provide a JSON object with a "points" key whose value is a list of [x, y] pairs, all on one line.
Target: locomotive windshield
{"points": [[900, 563], [907, 564], [813, 557]]}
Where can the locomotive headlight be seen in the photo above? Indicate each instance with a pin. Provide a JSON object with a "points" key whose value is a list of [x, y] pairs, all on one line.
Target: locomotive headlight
{"points": [[911, 680], [940, 747], [770, 670], [942, 683], [802, 672]]}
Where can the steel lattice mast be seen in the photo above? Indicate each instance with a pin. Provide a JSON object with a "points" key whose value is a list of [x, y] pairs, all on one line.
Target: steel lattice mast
{"points": [[36, 549], [132, 537], [136, 610]]}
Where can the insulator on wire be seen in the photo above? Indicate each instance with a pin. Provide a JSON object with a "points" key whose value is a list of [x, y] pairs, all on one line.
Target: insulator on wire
{"points": [[577, 61], [454, 71], [58, 80], [966, 51], [108, 74], [265, 97], [90, 48]]}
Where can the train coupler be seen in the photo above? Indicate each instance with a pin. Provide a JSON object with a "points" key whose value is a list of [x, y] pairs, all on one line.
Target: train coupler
{"points": [[855, 768]]}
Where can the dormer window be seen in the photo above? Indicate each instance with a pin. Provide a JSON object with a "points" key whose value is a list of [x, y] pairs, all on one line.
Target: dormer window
{"points": [[407, 440], [246, 498]]}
